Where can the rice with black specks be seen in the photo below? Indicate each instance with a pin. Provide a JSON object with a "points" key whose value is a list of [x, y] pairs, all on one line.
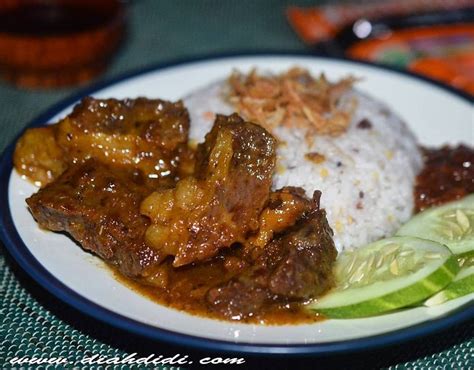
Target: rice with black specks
{"points": [[366, 175]]}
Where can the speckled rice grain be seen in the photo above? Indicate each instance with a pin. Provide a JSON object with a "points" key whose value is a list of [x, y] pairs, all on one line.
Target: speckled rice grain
{"points": [[366, 178]]}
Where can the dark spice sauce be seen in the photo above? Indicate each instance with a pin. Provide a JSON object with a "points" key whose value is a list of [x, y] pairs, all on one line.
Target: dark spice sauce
{"points": [[448, 174]]}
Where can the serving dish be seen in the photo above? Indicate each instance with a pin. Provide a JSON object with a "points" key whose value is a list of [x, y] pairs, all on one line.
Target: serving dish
{"points": [[84, 282]]}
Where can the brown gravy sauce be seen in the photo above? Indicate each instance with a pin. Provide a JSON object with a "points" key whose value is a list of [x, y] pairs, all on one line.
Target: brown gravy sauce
{"points": [[187, 294]]}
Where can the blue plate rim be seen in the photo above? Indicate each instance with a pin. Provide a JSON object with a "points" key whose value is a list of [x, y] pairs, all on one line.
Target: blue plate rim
{"points": [[14, 244]]}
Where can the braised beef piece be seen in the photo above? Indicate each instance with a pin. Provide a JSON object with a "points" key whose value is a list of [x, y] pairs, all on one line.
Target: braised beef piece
{"points": [[223, 242], [284, 208], [295, 266], [448, 174], [99, 207], [220, 204], [38, 156], [192, 221], [143, 134]]}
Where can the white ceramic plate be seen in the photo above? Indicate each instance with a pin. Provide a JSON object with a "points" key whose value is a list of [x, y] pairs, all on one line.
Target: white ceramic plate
{"points": [[435, 114]]}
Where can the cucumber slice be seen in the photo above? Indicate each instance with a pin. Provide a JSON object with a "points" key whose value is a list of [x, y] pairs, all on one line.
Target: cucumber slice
{"points": [[386, 275], [451, 224], [462, 285]]}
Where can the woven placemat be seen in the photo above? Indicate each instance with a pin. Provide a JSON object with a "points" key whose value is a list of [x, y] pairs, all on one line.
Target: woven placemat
{"points": [[34, 323]]}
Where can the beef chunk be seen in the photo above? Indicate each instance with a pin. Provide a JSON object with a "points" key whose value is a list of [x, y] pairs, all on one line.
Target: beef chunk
{"points": [[221, 203], [237, 299], [99, 207], [148, 135], [217, 239], [296, 265], [38, 156], [284, 208]]}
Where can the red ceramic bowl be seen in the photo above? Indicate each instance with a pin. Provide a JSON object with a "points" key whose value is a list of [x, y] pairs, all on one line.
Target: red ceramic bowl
{"points": [[58, 42]]}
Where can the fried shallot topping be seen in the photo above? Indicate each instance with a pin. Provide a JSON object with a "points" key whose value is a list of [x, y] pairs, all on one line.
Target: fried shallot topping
{"points": [[293, 98]]}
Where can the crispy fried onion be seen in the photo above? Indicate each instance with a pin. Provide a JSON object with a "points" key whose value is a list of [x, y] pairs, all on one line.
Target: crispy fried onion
{"points": [[293, 99]]}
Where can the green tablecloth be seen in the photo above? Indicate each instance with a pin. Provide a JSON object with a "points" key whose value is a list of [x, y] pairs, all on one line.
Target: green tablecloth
{"points": [[35, 323]]}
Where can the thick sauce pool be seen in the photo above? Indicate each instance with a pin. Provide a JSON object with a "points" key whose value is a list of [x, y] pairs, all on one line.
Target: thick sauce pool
{"points": [[187, 293]]}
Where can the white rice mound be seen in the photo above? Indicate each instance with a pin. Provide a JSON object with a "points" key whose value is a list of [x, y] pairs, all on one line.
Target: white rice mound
{"points": [[367, 178]]}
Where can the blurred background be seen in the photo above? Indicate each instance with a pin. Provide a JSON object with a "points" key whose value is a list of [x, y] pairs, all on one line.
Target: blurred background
{"points": [[51, 48]]}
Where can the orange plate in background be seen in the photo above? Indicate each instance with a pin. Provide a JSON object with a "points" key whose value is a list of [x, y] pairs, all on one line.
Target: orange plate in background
{"points": [[442, 52]]}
